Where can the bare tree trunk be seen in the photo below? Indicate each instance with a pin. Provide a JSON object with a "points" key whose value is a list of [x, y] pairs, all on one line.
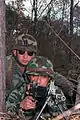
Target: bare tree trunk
{"points": [[71, 18], [2, 54], [34, 13], [63, 10], [71, 27]]}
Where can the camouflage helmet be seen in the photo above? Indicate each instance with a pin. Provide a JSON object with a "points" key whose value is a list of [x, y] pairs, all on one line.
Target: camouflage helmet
{"points": [[40, 65], [23, 41]]}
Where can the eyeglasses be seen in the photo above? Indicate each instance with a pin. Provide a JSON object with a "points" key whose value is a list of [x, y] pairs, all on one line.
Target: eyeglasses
{"points": [[21, 52]]}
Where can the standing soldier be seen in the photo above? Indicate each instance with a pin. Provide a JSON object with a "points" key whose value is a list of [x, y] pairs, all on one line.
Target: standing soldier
{"points": [[24, 48]]}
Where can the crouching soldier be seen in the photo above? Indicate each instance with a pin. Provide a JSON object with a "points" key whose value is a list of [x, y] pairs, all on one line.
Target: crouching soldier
{"points": [[43, 98]]}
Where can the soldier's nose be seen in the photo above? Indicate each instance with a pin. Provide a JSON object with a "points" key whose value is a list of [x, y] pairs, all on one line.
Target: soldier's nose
{"points": [[25, 54]]}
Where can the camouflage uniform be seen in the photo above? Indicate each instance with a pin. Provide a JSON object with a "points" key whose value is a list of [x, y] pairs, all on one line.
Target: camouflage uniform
{"points": [[67, 87], [37, 66], [16, 90], [18, 87], [42, 66]]}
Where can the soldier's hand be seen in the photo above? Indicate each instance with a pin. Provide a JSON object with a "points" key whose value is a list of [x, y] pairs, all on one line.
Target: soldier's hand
{"points": [[28, 103]]}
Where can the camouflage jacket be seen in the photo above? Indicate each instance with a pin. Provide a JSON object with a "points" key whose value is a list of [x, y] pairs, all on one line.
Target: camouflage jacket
{"points": [[57, 102], [65, 85], [17, 91], [55, 105]]}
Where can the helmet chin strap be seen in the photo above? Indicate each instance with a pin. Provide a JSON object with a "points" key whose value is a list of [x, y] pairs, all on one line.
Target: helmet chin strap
{"points": [[16, 58]]}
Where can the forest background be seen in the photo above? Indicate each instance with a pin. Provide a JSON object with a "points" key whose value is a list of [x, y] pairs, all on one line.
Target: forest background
{"points": [[56, 26], [52, 24]]}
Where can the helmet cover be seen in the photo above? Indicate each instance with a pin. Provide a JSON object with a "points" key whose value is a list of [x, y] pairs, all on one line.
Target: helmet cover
{"points": [[40, 66]]}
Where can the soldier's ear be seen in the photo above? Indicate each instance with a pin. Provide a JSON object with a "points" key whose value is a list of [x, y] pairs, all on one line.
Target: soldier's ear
{"points": [[14, 52]]}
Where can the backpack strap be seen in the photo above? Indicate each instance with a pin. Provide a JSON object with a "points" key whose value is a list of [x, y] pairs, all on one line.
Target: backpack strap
{"points": [[9, 72]]}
